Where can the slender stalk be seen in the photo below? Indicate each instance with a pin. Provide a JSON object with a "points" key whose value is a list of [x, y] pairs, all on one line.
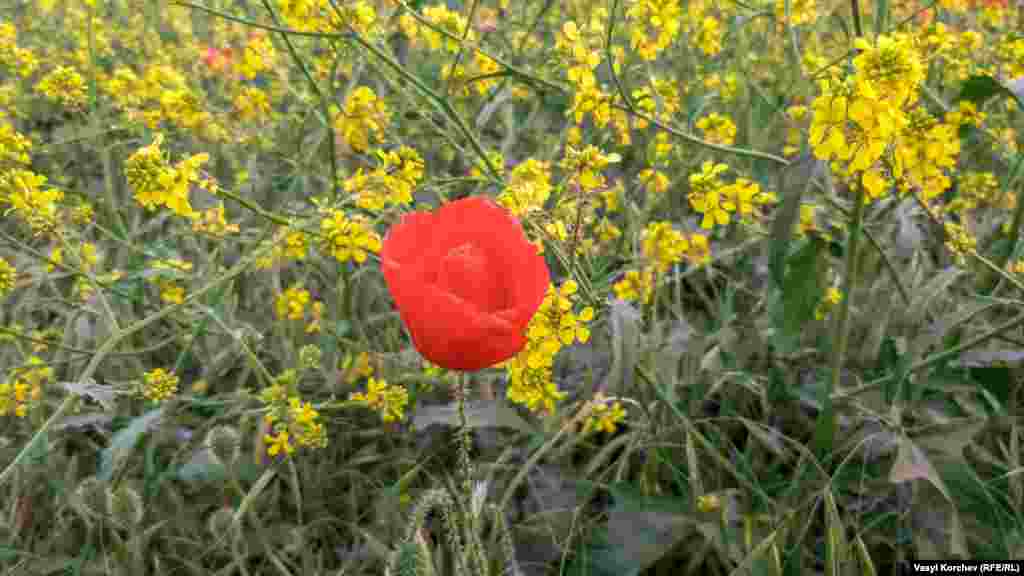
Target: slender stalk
{"points": [[842, 329], [474, 551]]}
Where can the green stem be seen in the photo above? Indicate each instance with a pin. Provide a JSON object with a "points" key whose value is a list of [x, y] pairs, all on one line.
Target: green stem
{"points": [[827, 423]]}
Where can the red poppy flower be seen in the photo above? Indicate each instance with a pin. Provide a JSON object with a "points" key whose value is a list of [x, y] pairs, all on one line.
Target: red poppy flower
{"points": [[466, 282]]}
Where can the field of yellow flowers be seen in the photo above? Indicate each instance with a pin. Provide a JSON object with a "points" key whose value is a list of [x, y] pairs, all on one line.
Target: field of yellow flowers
{"points": [[531, 287]]}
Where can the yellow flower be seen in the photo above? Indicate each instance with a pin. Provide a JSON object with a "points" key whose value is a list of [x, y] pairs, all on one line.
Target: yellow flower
{"points": [[279, 443], [363, 114], [348, 238], [159, 385], [291, 304], [389, 400], [64, 86], [605, 416], [7, 277], [718, 129], [636, 285], [663, 246], [706, 195]]}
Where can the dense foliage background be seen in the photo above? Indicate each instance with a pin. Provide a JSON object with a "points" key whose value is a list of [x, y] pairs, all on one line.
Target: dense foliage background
{"points": [[783, 334]]}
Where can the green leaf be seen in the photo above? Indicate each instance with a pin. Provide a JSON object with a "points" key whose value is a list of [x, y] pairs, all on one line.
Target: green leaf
{"points": [[124, 442], [640, 531], [996, 380], [980, 88], [794, 182], [804, 285]]}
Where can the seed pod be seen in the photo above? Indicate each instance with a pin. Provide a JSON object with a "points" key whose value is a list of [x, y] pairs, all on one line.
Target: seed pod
{"points": [[224, 442]]}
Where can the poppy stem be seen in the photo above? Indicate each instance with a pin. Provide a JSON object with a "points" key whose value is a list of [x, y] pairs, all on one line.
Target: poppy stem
{"points": [[475, 557], [465, 438]]}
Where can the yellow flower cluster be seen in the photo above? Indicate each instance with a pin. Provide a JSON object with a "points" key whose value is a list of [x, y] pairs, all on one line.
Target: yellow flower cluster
{"points": [[295, 423], [451, 22], [708, 35], [157, 183], [528, 188], [717, 129], [711, 196], [957, 50], [20, 60], [183, 108], [871, 129], [966, 113], [459, 75], [389, 400], [391, 183], [636, 285], [800, 11], [605, 416], [159, 385], [64, 86], [213, 223], [291, 304], [8, 274], [585, 166], [974, 189], [727, 87], [959, 241], [924, 149], [251, 104], [660, 99], [553, 326], [24, 192], [347, 238], [305, 15], [258, 56], [581, 49], [25, 389], [14, 147], [655, 179], [359, 16], [663, 246], [363, 114], [287, 244], [653, 25], [14, 398], [1011, 52]]}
